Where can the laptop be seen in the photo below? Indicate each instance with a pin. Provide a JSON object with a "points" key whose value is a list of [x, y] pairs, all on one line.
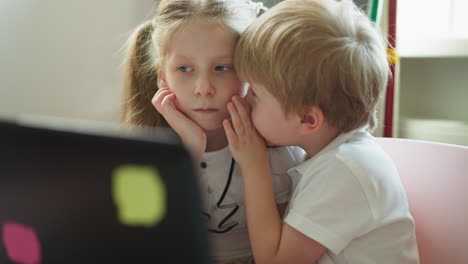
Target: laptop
{"points": [[79, 192]]}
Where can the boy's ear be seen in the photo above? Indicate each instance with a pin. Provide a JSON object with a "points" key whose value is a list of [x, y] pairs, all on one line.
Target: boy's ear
{"points": [[312, 120]]}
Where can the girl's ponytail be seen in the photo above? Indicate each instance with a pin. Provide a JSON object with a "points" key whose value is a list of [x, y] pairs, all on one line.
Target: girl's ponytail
{"points": [[140, 80]]}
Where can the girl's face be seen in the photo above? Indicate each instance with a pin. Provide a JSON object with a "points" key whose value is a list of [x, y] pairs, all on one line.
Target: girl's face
{"points": [[199, 69]]}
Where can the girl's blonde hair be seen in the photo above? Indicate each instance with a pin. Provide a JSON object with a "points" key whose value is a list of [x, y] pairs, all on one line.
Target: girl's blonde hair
{"points": [[317, 52], [150, 41]]}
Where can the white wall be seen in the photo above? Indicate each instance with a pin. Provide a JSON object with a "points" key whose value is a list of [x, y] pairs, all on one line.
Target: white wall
{"points": [[61, 57]]}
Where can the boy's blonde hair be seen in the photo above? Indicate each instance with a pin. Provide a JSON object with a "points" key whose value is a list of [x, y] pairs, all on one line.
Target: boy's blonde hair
{"points": [[150, 41], [317, 52]]}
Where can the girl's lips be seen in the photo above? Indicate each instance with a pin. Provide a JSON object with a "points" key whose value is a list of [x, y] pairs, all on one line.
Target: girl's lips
{"points": [[206, 110]]}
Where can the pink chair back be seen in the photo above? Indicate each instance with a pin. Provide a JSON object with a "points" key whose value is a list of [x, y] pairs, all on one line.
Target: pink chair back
{"points": [[435, 177]]}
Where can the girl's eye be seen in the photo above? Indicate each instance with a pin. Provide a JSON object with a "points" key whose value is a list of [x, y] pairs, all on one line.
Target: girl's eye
{"points": [[184, 69], [223, 68]]}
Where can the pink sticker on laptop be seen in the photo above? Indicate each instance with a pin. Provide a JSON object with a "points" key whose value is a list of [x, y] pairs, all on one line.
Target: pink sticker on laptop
{"points": [[21, 243]]}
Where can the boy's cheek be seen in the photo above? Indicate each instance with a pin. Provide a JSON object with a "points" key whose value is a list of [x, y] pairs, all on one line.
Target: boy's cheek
{"points": [[256, 121]]}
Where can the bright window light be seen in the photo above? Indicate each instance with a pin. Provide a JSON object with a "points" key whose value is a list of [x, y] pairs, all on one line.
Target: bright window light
{"points": [[460, 18], [433, 18]]}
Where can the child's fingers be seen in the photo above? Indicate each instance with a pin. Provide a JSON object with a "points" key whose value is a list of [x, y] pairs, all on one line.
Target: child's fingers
{"points": [[236, 122], [162, 91], [159, 96], [231, 135], [168, 101], [243, 111], [163, 88], [164, 102]]}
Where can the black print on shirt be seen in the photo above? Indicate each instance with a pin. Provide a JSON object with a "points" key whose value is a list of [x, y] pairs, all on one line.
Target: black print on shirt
{"points": [[224, 226]]}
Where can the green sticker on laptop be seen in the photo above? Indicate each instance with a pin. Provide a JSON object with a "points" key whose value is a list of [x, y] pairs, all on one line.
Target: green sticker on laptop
{"points": [[139, 194]]}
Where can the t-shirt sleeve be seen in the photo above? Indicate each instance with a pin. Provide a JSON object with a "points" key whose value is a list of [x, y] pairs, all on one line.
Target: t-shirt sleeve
{"points": [[330, 207], [281, 160]]}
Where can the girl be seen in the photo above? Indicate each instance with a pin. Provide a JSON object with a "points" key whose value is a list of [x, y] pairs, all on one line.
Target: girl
{"points": [[182, 61]]}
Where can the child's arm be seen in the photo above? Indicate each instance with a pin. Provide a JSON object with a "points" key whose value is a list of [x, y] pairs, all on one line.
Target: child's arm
{"points": [[272, 240], [190, 133]]}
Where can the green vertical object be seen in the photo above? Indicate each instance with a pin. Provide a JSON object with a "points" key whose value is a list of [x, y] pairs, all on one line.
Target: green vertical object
{"points": [[375, 10]]}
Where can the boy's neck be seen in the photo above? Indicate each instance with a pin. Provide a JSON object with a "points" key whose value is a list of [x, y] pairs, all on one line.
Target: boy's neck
{"points": [[216, 140], [318, 140]]}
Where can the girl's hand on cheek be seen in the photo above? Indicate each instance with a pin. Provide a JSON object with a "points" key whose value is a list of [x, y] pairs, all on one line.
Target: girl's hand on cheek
{"points": [[246, 144], [190, 133]]}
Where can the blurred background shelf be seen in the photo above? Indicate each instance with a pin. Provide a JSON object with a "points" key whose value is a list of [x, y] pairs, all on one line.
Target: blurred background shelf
{"points": [[433, 47], [432, 41], [439, 130], [433, 93]]}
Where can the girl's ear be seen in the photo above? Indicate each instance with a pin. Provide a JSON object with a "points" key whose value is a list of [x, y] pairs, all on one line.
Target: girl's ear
{"points": [[312, 120], [162, 84]]}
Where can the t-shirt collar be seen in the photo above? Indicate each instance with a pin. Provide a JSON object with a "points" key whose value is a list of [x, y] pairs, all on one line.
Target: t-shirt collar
{"points": [[334, 144]]}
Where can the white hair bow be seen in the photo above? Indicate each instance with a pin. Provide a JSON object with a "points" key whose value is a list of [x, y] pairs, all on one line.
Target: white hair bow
{"points": [[257, 6], [242, 13]]}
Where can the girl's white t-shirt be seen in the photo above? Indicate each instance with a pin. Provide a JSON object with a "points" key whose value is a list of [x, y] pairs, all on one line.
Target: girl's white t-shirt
{"points": [[214, 173]]}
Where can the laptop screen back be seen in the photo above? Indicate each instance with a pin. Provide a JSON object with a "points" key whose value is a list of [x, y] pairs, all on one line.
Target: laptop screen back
{"points": [[97, 197]]}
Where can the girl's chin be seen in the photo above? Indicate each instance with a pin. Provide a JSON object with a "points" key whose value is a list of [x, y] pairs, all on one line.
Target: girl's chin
{"points": [[212, 128], [210, 125]]}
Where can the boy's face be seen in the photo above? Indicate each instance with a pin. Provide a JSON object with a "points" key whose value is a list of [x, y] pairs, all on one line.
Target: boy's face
{"points": [[199, 70], [269, 118]]}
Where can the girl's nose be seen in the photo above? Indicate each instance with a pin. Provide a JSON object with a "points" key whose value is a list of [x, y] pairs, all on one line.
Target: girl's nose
{"points": [[204, 86]]}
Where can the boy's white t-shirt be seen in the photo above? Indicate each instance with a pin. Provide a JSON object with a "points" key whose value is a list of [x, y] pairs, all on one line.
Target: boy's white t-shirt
{"points": [[350, 199], [214, 174]]}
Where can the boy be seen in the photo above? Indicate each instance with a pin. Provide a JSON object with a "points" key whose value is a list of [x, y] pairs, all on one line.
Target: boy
{"points": [[316, 69]]}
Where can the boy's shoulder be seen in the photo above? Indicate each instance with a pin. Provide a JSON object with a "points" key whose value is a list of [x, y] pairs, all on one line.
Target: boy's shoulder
{"points": [[354, 154], [354, 174], [352, 164], [362, 160], [362, 154]]}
